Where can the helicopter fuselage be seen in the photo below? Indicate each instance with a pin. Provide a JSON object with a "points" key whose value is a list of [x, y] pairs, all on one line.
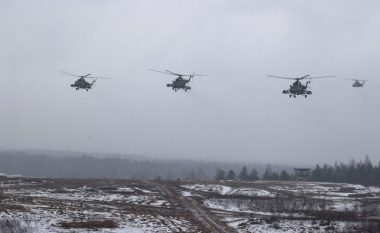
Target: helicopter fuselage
{"points": [[182, 80], [82, 84], [179, 83], [358, 84], [297, 88]]}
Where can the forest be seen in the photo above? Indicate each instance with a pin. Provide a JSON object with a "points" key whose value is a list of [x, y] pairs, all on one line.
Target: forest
{"points": [[355, 172], [111, 167]]}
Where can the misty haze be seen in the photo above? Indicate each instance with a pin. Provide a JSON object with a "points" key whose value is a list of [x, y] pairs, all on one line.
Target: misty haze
{"points": [[189, 116]]}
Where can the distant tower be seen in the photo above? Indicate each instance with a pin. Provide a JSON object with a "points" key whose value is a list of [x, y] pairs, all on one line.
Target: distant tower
{"points": [[302, 174]]}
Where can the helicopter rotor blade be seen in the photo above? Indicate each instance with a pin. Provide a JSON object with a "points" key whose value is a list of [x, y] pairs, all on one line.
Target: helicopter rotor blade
{"points": [[97, 78], [303, 77], [328, 76], [186, 75], [200, 75], [69, 74], [177, 74], [275, 76], [306, 76], [164, 72], [195, 75], [353, 79], [170, 72]]}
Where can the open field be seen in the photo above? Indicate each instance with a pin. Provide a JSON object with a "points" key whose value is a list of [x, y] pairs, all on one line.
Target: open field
{"points": [[115, 206]]}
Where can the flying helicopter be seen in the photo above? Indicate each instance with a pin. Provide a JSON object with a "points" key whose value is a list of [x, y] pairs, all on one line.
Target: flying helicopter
{"points": [[297, 88], [81, 83], [358, 82], [180, 82]]}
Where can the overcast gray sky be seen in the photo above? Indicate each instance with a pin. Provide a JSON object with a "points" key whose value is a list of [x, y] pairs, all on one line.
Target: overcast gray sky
{"points": [[235, 114]]}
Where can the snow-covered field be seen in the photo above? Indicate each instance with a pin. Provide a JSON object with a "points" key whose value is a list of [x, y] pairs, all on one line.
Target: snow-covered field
{"points": [[118, 206], [289, 226], [290, 206], [330, 190], [227, 190], [47, 205]]}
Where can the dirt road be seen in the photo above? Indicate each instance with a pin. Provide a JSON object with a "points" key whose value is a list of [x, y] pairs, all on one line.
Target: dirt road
{"points": [[207, 219]]}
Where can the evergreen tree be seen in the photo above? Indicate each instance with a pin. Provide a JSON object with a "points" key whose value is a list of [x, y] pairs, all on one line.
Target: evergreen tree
{"points": [[351, 171], [367, 171], [268, 173], [243, 175], [200, 174], [362, 172], [376, 175], [316, 174], [231, 175], [275, 176], [220, 175], [253, 175], [284, 175]]}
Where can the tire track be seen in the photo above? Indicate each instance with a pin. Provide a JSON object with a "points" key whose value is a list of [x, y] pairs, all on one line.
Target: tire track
{"points": [[208, 220]]}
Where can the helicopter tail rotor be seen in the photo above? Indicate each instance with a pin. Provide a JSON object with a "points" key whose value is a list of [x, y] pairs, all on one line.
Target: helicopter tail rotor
{"points": [[308, 83], [93, 83], [191, 76]]}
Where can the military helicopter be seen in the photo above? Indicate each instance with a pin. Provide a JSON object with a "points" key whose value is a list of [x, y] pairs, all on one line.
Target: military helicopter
{"points": [[81, 83], [358, 82], [180, 82], [297, 88]]}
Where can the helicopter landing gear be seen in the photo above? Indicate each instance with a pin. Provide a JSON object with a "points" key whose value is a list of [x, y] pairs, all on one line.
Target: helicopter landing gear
{"points": [[305, 96]]}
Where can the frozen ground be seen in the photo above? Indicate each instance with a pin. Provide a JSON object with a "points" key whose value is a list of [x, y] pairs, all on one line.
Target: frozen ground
{"points": [[227, 190], [121, 206], [292, 206], [118, 206]]}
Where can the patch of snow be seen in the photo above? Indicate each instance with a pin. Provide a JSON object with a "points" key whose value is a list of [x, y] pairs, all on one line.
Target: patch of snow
{"points": [[228, 190], [186, 194], [144, 190], [10, 176], [125, 189]]}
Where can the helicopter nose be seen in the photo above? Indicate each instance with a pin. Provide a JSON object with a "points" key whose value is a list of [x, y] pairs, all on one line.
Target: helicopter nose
{"points": [[72, 85], [168, 85]]}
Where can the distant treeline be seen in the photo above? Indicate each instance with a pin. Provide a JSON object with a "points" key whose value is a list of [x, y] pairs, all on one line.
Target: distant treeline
{"points": [[86, 166], [361, 172], [104, 166], [252, 175]]}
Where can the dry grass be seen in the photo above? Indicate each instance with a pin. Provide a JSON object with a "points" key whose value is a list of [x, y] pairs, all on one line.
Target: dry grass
{"points": [[95, 224], [9, 225]]}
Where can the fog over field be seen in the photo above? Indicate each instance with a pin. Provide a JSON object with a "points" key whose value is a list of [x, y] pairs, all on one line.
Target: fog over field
{"points": [[235, 114]]}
